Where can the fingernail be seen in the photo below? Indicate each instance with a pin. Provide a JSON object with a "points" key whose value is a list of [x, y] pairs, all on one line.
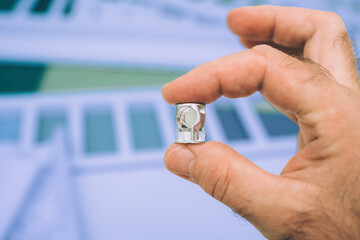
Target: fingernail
{"points": [[179, 161]]}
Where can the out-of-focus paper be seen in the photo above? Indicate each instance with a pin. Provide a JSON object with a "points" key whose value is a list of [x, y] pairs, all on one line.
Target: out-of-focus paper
{"points": [[18, 174], [36, 194]]}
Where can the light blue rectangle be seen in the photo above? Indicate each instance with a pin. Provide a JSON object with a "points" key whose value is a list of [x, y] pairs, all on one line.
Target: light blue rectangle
{"points": [[10, 122], [231, 122], [49, 122], [99, 131], [276, 123], [145, 127]]}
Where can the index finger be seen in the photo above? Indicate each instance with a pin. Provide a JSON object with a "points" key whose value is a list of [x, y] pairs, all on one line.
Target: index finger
{"points": [[289, 84]]}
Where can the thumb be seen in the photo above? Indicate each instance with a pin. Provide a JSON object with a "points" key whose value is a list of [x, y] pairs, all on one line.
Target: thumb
{"points": [[225, 175], [271, 203]]}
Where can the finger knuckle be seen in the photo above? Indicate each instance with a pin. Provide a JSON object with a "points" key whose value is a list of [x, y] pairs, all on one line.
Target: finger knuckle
{"points": [[265, 53], [333, 19], [342, 42], [229, 82], [337, 31], [262, 49]]}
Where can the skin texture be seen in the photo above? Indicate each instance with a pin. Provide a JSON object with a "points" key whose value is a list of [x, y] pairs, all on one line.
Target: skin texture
{"points": [[302, 62]]}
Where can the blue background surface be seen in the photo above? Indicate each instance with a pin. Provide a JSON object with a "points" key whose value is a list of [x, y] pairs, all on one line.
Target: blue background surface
{"points": [[83, 127]]}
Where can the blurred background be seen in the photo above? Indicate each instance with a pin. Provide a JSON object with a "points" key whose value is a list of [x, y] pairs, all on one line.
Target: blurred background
{"points": [[83, 127]]}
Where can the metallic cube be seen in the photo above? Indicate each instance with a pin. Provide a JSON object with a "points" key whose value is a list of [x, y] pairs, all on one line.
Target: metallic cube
{"points": [[190, 119]]}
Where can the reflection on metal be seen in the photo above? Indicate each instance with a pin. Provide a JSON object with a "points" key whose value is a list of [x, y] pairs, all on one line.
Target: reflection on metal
{"points": [[190, 118]]}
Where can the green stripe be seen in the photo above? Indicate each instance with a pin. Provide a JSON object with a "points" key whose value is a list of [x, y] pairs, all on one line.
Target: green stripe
{"points": [[74, 78]]}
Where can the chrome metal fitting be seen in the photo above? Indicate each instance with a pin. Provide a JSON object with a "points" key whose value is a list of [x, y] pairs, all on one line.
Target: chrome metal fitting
{"points": [[190, 119]]}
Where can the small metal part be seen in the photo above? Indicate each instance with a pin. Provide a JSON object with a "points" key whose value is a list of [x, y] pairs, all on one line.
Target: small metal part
{"points": [[190, 119]]}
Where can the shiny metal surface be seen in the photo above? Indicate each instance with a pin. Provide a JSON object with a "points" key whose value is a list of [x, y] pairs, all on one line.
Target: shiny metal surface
{"points": [[190, 119]]}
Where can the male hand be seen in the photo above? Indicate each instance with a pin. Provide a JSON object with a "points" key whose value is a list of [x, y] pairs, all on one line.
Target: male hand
{"points": [[317, 195]]}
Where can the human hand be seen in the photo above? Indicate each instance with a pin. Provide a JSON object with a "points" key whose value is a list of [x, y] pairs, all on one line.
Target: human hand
{"points": [[317, 194]]}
